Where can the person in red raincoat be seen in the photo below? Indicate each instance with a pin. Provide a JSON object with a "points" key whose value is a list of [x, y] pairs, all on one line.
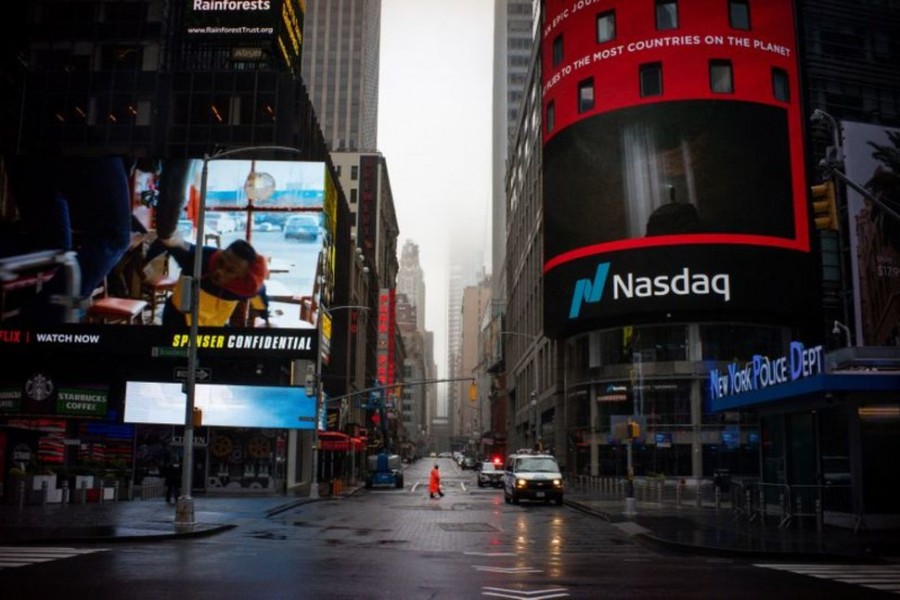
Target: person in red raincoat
{"points": [[434, 484]]}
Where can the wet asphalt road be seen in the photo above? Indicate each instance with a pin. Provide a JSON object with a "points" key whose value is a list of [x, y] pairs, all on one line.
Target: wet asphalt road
{"points": [[388, 543]]}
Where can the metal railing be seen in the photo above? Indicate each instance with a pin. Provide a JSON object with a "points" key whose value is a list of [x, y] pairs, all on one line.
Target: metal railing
{"points": [[767, 503]]}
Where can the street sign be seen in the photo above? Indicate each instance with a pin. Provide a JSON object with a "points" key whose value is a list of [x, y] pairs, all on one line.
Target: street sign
{"points": [[201, 374]]}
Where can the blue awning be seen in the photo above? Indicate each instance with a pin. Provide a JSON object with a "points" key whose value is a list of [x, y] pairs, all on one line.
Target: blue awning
{"points": [[812, 386]]}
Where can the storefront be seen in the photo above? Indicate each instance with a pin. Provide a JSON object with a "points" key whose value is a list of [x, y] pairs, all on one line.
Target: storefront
{"points": [[827, 428]]}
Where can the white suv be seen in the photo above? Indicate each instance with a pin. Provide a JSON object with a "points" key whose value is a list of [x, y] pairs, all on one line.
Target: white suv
{"points": [[532, 476]]}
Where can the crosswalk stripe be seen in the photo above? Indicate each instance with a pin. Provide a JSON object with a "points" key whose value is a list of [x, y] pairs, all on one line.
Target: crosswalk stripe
{"points": [[12, 557], [879, 577]]}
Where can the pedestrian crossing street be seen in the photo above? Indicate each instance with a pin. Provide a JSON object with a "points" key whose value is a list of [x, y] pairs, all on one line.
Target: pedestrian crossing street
{"points": [[21, 556], [885, 578]]}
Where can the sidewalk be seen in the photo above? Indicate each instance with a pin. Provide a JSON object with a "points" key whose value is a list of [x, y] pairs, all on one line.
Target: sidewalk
{"points": [[136, 520], [706, 530], [685, 529]]}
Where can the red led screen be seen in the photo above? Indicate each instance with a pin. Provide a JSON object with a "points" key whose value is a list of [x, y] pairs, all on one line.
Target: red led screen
{"points": [[673, 157]]}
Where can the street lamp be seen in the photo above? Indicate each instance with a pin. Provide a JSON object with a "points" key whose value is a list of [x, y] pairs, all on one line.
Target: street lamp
{"points": [[184, 507], [324, 328], [840, 328]]}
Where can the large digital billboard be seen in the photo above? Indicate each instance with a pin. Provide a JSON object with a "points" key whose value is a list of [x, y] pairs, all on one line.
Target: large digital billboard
{"points": [[104, 241], [247, 26], [874, 230], [673, 161], [222, 405]]}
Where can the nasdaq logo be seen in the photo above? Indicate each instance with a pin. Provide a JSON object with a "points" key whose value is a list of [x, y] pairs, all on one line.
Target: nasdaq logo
{"points": [[628, 286], [587, 290]]}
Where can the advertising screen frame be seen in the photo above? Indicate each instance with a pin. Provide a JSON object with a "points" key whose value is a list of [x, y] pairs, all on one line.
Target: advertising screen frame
{"points": [[291, 268], [661, 153]]}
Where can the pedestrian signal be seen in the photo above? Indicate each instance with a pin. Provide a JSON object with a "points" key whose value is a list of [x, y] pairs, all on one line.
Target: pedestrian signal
{"points": [[824, 206]]}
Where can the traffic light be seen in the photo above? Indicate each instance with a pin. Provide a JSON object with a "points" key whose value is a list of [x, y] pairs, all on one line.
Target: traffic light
{"points": [[634, 429], [824, 206]]}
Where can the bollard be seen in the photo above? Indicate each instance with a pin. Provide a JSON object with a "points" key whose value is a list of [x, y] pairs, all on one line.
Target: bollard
{"points": [[44, 488], [679, 492], [718, 499], [659, 491], [762, 506], [130, 490], [820, 516], [698, 500], [20, 493], [65, 493], [83, 492]]}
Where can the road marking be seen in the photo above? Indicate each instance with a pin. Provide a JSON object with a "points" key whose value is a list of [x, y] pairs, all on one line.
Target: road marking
{"points": [[507, 569], [490, 553], [20, 556], [879, 577], [522, 595]]}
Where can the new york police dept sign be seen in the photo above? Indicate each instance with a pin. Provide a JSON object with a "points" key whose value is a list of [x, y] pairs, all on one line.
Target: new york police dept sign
{"points": [[763, 372]]}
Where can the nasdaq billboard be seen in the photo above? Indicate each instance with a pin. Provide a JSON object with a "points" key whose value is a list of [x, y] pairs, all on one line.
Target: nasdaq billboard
{"points": [[674, 174]]}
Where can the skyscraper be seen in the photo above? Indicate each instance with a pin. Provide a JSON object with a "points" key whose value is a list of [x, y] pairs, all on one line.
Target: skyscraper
{"points": [[340, 69], [411, 280], [513, 41]]}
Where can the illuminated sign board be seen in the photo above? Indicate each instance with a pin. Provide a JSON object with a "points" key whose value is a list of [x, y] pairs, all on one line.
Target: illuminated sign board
{"points": [[222, 405], [763, 372], [274, 24], [673, 164], [874, 233], [139, 220], [231, 18]]}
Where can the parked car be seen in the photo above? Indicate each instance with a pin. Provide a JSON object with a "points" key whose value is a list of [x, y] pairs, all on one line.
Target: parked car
{"points": [[261, 224], [217, 222], [273, 219], [302, 227], [469, 462], [490, 474]]}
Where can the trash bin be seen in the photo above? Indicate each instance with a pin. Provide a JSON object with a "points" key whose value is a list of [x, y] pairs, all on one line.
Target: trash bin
{"points": [[722, 480]]}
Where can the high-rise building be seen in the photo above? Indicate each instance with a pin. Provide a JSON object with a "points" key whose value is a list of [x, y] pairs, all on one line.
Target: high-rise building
{"points": [[652, 188], [468, 422], [148, 90], [513, 40], [465, 269], [411, 280], [340, 69]]}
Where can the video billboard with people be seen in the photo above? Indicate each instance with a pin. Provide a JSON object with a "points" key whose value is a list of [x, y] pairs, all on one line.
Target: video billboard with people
{"points": [[96, 242], [673, 163]]}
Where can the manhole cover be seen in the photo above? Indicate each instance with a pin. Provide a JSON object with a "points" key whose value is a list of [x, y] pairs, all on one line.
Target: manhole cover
{"points": [[466, 527]]}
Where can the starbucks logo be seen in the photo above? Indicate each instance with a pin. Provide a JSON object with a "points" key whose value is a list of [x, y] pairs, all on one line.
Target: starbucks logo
{"points": [[38, 388]]}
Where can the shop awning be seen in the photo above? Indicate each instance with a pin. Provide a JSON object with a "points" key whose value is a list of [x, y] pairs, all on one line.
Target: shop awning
{"points": [[334, 441]]}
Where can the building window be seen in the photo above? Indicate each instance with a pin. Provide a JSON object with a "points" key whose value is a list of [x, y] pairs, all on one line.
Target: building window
{"points": [[354, 196], [354, 172], [780, 85], [557, 50], [651, 79], [721, 80], [117, 58], [666, 14], [551, 116], [586, 95], [606, 26], [739, 14]]}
